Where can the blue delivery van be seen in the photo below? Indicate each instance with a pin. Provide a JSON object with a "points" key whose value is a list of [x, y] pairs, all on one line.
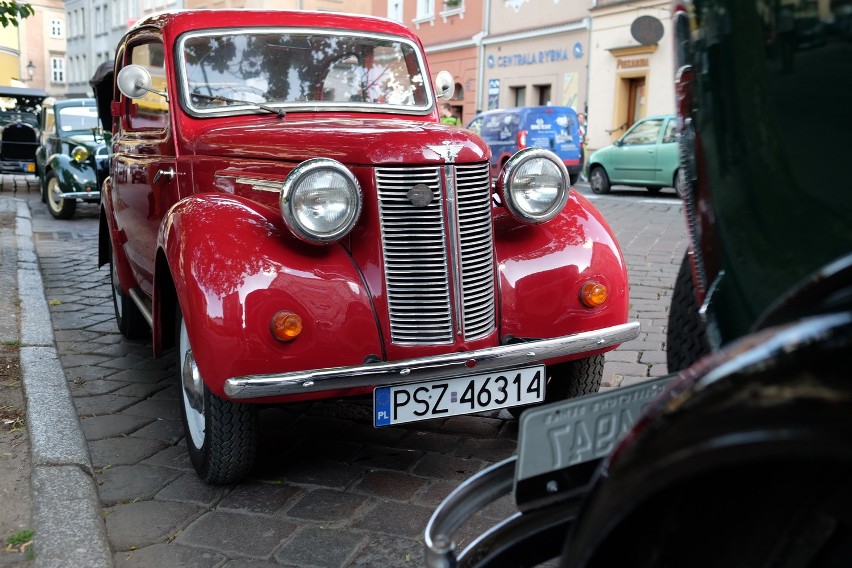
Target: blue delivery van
{"points": [[554, 128]]}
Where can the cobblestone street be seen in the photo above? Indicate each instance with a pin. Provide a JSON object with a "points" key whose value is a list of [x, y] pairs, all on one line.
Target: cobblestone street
{"points": [[329, 489]]}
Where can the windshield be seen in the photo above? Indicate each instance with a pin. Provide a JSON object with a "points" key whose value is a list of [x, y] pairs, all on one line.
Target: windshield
{"points": [[78, 118], [227, 72]]}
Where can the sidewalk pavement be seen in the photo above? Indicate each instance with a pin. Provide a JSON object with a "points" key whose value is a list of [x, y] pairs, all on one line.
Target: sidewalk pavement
{"points": [[67, 518]]}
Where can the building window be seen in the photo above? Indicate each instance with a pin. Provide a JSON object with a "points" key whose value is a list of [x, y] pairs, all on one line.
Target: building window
{"points": [[56, 27], [57, 69], [542, 94], [519, 96], [395, 10], [425, 9]]}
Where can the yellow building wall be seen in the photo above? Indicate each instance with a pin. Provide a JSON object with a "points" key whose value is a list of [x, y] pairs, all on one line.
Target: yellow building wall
{"points": [[9, 54]]}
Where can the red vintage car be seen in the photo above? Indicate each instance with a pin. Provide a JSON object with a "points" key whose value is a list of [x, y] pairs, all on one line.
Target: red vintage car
{"points": [[286, 210]]}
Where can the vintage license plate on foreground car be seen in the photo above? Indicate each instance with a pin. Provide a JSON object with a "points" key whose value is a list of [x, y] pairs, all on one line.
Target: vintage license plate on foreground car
{"points": [[441, 398]]}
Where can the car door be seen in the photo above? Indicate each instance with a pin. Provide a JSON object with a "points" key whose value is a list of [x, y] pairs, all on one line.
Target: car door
{"points": [[143, 165], [667, 154], [634, 158]]}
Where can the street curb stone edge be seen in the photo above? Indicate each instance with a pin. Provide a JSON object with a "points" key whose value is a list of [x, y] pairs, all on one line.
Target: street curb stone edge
{"points": [[66, 509]]}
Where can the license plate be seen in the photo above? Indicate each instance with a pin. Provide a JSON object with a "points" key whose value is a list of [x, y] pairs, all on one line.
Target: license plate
{"points": [[460, 395], [580, 429]]}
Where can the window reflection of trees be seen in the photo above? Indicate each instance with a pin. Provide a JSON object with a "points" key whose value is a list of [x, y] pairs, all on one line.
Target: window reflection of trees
{"points": [[302, 68]]}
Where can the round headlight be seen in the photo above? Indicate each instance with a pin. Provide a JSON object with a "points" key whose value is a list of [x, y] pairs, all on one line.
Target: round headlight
{"points": [[79, 154], [320, 201], [534, 185]]}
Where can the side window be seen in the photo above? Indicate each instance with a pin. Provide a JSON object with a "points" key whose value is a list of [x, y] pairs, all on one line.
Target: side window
{"points": [[475, 125], [49, 120], [670, 133], [643, 133], [150, 112], [48, 124]]}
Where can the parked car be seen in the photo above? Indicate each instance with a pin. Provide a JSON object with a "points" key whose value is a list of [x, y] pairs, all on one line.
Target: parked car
{"points": [[554, 128], [19, 108], [72, 160], [743, 458], [303, 227], [645, 156]]}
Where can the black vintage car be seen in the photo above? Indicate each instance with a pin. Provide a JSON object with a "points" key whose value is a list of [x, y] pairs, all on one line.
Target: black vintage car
{"points": [[73, 158], [19, 109], [744, 457]]}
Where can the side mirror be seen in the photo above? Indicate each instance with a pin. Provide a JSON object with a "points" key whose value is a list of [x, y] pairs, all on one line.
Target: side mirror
{"points": [[134, 81], [445, 86]]}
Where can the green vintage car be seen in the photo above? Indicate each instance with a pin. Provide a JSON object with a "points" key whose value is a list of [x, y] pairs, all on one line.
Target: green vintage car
{"points": [[72, 158], [645, 156]]}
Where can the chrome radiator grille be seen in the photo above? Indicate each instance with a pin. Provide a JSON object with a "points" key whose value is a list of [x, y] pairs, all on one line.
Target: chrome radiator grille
{"points": [[420, 253]]}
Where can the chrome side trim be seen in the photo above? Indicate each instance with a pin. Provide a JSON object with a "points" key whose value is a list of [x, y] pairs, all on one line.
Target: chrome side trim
{"points": [[425, 368], [146, 313]]}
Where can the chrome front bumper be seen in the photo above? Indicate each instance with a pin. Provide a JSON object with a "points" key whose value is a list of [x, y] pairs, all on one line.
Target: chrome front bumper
{"points": [[426, 368], [81, 194]]}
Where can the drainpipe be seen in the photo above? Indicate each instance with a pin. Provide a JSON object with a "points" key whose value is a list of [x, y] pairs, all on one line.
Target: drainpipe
{"points": [[480, 72]]}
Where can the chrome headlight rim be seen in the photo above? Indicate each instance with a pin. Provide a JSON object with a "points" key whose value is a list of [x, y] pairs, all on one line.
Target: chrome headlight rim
{"points": [[286, 202], [510, 170], [80, 154]]}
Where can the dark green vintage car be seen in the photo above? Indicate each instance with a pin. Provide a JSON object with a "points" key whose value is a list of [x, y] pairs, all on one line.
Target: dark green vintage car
{"points": [[72, 158]]}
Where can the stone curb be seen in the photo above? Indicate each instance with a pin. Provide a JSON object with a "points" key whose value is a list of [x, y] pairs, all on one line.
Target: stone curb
{"points": [[67, 515]]}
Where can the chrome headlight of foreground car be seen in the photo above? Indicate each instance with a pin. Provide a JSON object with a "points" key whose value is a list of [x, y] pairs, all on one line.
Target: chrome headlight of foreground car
{"points": [[80, 154], [534, 185], [320, 201]]}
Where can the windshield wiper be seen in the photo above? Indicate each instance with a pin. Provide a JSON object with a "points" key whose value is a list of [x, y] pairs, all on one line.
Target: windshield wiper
{"points": [[262, 106]]}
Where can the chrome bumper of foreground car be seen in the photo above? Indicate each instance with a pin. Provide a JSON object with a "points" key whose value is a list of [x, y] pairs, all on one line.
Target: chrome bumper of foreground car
{"points": [[550, 478], [81, 195], [525, 538], [426, 368]]}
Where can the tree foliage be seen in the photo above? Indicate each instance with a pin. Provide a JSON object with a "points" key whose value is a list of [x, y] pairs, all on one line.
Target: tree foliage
{"points": [[12, 12]]}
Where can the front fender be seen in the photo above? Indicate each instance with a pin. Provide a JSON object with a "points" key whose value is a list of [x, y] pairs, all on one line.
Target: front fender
{"points": [[71, 175], [541, 269], [234, 265]]}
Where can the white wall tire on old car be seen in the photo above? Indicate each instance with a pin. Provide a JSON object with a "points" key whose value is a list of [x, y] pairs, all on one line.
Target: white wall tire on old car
{"points": [[221, 435], [60, 208]]}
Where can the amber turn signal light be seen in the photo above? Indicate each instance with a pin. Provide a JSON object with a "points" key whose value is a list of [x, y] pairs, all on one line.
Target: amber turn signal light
{"points": [[593, 294], [286, 325]]}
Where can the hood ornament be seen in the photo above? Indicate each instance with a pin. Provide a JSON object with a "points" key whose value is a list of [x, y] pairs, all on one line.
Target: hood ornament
{"points": [[448, 151]]}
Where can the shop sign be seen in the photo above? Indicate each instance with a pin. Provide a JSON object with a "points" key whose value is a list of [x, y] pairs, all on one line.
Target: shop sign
{"points": [[531, 57], [631, 63], [493, 94]]}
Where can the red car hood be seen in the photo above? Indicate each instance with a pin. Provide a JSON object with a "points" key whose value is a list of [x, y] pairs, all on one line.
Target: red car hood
{"points": [[359, 141]]}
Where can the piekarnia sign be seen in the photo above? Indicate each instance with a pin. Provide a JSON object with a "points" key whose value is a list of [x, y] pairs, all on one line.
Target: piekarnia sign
{"points": [[533, 58]]}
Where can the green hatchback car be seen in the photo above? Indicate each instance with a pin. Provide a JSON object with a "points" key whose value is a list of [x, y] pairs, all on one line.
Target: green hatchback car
{"points": [[645, 156]]}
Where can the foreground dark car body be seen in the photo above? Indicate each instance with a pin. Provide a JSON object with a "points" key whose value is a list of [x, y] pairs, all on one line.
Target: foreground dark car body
{"points": [[19, 129], [72, 159], [743, 458]]}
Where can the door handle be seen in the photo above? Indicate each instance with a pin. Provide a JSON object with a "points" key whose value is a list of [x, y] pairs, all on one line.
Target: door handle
{"points": [[169, 173]]}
